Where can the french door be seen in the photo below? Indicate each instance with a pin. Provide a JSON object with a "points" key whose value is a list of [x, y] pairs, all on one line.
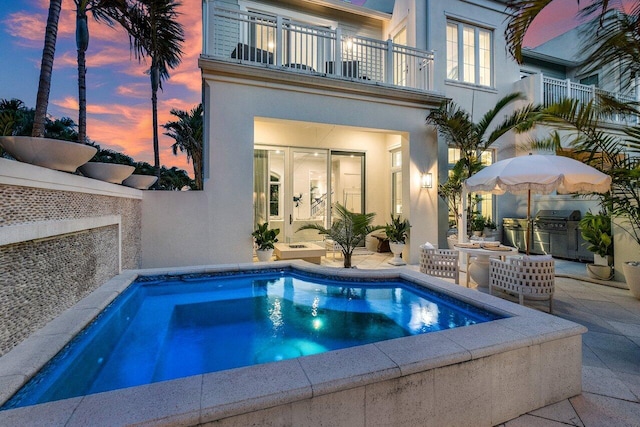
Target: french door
{"points": [[297, 186]]}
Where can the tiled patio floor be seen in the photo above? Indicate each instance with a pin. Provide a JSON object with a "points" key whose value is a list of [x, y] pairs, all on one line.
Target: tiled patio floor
{"points": [[610, 350]]}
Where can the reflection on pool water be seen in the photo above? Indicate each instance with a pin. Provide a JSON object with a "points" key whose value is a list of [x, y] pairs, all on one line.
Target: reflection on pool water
{"points": [[163, 328]]}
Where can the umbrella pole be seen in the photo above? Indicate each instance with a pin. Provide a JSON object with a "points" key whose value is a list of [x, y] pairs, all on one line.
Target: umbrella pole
{"points": [[528, 237]]}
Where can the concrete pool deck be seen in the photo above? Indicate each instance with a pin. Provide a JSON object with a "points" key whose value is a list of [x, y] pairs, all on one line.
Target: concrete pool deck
{"points": [[517, 364], [610, 349]]}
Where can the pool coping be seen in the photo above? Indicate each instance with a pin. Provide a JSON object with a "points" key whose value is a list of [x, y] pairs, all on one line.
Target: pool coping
{"points": [[215, 396]]}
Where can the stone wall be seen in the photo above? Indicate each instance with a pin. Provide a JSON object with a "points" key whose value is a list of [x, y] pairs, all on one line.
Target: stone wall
{"points": [[61, 237], [21, 205], [41, 279]]}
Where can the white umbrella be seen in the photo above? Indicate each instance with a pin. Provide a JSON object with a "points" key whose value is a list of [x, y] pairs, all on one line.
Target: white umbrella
{"points": [[541, 174]]}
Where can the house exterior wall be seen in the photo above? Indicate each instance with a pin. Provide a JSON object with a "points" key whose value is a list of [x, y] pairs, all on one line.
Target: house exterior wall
{"points": [[220, 218], [61, 237]]}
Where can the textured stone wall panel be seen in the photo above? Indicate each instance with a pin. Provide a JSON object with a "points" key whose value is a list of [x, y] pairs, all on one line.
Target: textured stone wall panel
{"points": [[40, 279], [19, 205]]}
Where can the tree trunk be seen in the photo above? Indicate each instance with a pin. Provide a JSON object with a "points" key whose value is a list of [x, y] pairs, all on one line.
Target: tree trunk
{"points": [[155, 78], [46, 68], [347, 259], [197, 170], [82, 42]]}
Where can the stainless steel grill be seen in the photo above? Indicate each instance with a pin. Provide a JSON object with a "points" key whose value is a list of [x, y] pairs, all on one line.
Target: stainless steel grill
{"points": [[514, 232], [553, 232]]}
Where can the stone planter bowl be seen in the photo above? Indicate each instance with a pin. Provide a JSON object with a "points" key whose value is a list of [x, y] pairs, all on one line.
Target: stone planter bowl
{"points": [[49, 153], [109, 172], [141, 182]]}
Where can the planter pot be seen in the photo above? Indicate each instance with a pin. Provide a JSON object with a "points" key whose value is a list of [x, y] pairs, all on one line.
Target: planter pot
{"points": [[600, 272], [602, 260], [264, 254], [141, 182], [49, 153], [397, 249], [632, 277], [109, 172], [451, 241], [477, 233]]}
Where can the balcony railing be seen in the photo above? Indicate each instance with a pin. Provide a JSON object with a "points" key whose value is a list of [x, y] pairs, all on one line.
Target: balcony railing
{"points": [[555, 90], [275, 41]]}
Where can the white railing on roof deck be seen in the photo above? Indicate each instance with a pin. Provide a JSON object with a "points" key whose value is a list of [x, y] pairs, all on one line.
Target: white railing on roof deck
{"points": [[555, 90], [274, 41]]}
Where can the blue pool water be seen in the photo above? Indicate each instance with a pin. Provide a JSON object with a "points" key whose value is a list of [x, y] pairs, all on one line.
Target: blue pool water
{"points": [[166, 328]]}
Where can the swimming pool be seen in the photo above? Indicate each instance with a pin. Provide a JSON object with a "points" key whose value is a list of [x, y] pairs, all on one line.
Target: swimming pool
{"points": [[481, 374], [164, 328]]}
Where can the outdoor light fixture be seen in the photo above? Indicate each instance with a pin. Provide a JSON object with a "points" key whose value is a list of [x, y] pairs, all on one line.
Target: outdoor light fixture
{"points": [[426, 180]]}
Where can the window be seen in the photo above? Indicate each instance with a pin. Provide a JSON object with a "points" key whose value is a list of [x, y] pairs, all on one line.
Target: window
{"points": [[274, 198], [396, 182], [484, 203], [469, 54], [591, 80]]}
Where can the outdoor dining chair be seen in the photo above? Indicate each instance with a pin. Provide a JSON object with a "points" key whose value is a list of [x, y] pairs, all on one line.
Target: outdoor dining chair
{"points": [[528, 277], [440, 263]]}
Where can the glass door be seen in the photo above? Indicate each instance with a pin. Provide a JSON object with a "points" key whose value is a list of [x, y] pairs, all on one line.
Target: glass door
{"points": [[309, 197], [290, 190], [347, 180]]}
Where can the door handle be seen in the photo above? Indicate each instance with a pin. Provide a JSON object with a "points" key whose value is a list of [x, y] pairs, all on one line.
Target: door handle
{"points": [[290, 219]]}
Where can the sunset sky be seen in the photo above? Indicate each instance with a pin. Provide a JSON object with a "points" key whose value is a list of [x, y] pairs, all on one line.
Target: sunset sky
{"points": [[118, 90]]}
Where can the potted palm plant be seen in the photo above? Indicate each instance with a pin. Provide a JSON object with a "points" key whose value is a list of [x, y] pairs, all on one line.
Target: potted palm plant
{"points": [[596, 231], [348, 230], [397, 232], [265, 238]]}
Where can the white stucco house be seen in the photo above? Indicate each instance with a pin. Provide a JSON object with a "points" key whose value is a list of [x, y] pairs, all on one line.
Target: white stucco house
{"points": [[312, 102]]}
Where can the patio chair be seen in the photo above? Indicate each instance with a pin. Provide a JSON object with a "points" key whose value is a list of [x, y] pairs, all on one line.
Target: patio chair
{"points": [[440, 263], [528, 277]]}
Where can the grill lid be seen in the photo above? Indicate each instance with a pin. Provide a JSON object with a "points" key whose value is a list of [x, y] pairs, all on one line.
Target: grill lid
{"points": [[558, 215]]}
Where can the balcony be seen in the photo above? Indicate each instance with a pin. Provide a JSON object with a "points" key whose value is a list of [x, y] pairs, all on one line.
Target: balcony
{"points": [[546, 90], [289, 46]]}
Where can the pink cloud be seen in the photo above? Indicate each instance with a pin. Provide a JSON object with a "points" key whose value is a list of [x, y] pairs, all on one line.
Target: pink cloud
{"points": [[96, 56], [129, 129], [135, 90]]}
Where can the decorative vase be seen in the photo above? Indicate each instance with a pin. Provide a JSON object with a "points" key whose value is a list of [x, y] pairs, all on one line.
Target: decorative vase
{"points": [[631, 270], [397, 249], [602, 260], [264, 255], [141, 182], [49, 153], [599, 271], [110, 172]]}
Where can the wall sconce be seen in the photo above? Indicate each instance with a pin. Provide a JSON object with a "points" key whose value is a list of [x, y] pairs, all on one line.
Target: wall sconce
{"points": [[426, 180]]}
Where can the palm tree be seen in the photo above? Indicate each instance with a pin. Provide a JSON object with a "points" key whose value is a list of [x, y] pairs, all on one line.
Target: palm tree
{"points": [[618, 156], [108, 11], [154, 32], [348, 230], [46, 68], [611, 38], [523, 12], [472, 139], [187, 132]]}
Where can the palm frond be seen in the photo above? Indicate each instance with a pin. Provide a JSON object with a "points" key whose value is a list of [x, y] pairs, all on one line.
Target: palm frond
{"points": [[521, 15]]}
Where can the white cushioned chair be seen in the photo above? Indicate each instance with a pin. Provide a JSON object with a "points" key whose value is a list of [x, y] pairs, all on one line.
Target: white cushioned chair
{"points": [[528, 277], [440, 263]]}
